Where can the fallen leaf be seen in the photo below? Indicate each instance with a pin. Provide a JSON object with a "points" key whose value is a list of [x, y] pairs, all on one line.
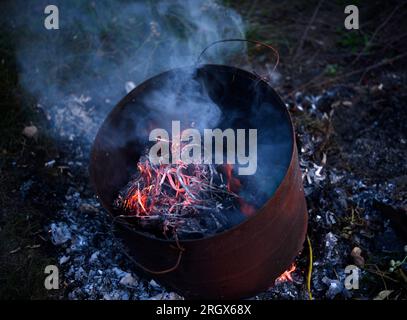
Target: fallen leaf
{"points": [[383, 295], [357, 258]]}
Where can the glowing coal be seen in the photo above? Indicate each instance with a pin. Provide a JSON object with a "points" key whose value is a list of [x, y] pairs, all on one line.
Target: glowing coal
{"points": [[181, 198]]}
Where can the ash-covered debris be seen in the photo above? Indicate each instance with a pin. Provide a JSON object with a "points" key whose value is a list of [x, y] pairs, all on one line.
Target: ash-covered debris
{"points": [[335, 288], [287, 288], [60, 233], [73, 118], [91, 259], [341, 205], [352, 144], [80, 89], [351, 221]]}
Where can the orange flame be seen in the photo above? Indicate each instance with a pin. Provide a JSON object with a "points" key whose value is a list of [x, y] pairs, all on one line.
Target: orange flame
{"points": [[144, 198], [286, 276]]}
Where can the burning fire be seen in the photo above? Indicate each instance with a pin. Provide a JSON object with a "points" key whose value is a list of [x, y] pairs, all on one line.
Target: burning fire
{"points": [[286, 276], [173, 187], [170, 192]]}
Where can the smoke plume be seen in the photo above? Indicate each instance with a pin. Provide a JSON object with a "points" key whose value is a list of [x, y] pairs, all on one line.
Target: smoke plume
{"points": [[104, 48]]}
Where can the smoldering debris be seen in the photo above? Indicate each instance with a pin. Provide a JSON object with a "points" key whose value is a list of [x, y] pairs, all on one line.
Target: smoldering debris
{"points": [[102, 51], [92, 259], [348, 223], [79, 89], [94, 266], [177, 201]]}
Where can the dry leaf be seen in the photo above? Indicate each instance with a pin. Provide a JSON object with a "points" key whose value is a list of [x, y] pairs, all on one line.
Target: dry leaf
{"points": [[383, 295], [357, 258]]}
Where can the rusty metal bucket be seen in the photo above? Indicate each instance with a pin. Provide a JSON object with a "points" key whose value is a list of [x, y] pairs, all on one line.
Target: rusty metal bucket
{"points": [[243, 260]]}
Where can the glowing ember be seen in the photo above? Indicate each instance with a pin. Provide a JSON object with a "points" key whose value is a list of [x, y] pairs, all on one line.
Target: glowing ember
{"points": [[286, 276], [168, 196], [173, 190]]}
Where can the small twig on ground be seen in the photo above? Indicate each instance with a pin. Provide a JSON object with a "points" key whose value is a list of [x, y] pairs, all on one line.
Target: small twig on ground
{"points": [[381, 276], [380, 273], [305, 34], [345, 75], [250, 11], [380, 27]]}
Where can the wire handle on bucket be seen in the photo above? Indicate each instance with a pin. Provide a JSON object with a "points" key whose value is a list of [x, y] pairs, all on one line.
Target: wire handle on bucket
{"points": [[180, 252], [157, 272], [244, 40]]}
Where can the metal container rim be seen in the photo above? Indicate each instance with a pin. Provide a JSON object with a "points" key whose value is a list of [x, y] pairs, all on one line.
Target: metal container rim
{"points": [[145, 83]]}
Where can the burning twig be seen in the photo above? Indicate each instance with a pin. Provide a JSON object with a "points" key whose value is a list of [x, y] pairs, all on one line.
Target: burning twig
{"points": [[169, 193]]}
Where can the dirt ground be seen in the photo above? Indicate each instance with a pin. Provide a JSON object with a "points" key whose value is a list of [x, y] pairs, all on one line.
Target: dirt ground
{"points": [[346, 92]]}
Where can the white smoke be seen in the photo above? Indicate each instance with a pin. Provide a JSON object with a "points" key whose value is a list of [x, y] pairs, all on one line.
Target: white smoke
{"points": [[79, 72]]}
